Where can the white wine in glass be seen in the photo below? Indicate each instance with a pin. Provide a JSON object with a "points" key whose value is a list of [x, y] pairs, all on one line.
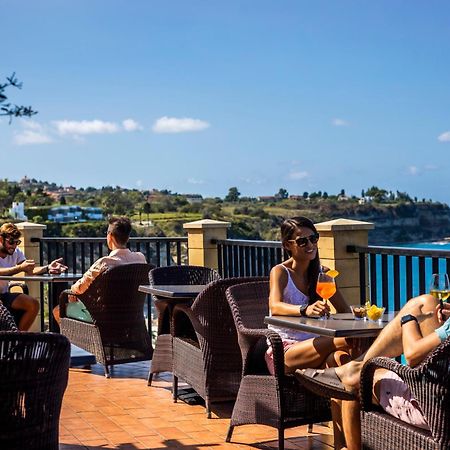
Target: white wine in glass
{"points": [[440, 287]]}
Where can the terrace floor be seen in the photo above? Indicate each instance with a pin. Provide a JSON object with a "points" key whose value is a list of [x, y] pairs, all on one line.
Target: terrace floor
{"points": [[124, 413]]}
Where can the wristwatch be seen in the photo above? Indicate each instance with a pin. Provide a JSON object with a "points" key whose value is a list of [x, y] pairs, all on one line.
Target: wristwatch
{"points": [[407, 318], [303, 310]]}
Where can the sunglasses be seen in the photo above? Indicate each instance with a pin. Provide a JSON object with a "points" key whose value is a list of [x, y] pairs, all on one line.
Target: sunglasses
{"points": [[12, 241], [303, 241]]}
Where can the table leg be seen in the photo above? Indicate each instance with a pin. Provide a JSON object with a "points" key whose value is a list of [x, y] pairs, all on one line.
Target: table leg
{"points": [[358, 346], [54, 290]]}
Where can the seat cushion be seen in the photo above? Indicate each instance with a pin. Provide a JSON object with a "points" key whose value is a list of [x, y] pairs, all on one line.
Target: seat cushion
{"points": [[77, 310]]}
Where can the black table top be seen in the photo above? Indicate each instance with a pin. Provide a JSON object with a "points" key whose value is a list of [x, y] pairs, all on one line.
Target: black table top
{"points": [[45, 277], [173, 291], [338, 325]]}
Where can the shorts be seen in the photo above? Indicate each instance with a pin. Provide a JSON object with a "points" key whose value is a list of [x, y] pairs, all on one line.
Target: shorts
{"points": [[287, 344], [397, 400], [7, 298]]}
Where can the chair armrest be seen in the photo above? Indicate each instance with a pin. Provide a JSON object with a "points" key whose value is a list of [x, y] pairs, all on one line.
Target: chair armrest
{"points": [[429, 383], [20, 284], [63, 300], [184, 323], [248, 338]]}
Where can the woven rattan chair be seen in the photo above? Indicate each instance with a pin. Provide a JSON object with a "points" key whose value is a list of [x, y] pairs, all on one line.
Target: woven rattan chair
{"points": [[430, 385], [276, 400], [206, 352], [118, 333], [6, 320], [34, 370], [162, 356]]}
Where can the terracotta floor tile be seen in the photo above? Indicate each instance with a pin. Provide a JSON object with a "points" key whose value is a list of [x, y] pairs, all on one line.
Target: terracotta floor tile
{"points": [[124, 413]]}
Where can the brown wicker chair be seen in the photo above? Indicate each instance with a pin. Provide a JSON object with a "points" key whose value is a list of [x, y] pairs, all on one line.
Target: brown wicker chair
{"points": [[162, 356], [6, 320], [206, 352], [276, 400], [118, 333], [34, 370], [430, 384]]}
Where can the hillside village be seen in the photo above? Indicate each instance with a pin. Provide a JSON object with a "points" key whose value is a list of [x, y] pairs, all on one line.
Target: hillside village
{"points": [[67, 210]]}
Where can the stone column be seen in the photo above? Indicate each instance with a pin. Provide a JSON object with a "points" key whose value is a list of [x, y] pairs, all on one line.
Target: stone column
{"points": [[201, 250], [31, 250], [335, 236]]}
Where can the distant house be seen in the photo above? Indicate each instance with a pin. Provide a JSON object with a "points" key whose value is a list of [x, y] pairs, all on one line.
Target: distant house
{"points": [[17, 211], [267, 198], [297, 197], [194, 198], [365, 199], [74, 213]]}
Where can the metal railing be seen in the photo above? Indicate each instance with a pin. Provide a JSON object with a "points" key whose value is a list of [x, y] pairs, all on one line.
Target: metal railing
{"points": [[80, 253], [395, 274], [242, 258]]}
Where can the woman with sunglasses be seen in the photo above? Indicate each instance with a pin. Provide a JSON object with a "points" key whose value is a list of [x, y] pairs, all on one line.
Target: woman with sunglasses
{"points": [[293, 293]]}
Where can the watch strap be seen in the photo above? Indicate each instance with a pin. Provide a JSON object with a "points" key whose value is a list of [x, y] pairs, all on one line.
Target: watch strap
{"points": [[407, 318]]}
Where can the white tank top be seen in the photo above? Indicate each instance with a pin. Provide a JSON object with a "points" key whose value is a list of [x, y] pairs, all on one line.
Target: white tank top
{"points": [[293, 296]]}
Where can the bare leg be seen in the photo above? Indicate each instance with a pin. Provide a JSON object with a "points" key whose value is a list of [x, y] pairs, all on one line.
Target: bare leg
{"points": [[312, 352], [337, 359], [351, 422], [389, 341], [56, 314], [30, 306]]}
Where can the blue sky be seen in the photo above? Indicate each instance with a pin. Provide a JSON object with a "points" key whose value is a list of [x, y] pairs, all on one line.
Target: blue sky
{"points": [[199, 96]]}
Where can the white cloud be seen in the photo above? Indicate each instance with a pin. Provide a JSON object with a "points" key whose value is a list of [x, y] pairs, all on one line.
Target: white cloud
{"points": [[83, 127], [30, 137], [174, 125], [444, 137], [131, 125], [300, 175], [139, 183], [34, 133], [340, 122], [431, 167], [413, 170], [195, 181]]}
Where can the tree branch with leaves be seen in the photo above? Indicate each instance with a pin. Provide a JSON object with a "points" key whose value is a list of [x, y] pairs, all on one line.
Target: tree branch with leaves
{"points": [[7, 108]]}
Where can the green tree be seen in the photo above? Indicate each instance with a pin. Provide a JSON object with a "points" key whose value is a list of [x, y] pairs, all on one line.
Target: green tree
{"points": [[8, 109], [233, 195], [282, 193], [147, 210]]}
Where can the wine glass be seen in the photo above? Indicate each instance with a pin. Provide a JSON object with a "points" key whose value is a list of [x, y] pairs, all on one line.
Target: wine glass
{"points": [[440, 287], [326, 288]]}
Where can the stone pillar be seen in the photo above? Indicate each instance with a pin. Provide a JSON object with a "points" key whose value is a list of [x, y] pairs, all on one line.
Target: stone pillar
{"points": [[335, 236], [31, 250], [201, 250]]}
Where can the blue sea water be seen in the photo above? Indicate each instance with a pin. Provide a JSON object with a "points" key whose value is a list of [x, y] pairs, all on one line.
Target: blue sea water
{"points": [[440, 245]]}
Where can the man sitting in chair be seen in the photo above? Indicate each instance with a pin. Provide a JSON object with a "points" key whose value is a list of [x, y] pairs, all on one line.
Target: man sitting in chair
{"points": [[23, 307], [117, 236]]}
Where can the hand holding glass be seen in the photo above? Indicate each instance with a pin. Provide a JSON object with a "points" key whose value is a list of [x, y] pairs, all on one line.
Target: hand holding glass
{"points": [[440, 287], [326, 288]]}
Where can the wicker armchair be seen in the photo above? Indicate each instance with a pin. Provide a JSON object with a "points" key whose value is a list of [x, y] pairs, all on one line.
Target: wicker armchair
{"points": [[276, 400], [162, 356], [6, 320], [430, 384], [206, 352], [34, 370], [118, 333]]}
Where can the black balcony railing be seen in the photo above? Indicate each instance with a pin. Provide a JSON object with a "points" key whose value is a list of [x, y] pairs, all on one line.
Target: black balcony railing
{"points": [[242, 258], [395, 274], [80, 253]]}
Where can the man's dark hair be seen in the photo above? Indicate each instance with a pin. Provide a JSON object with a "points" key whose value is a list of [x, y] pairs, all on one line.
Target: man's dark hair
{"points": [[120, 228]]}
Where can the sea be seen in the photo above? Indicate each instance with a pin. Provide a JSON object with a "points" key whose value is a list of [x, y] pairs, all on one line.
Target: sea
{"points": [[443, 245]]}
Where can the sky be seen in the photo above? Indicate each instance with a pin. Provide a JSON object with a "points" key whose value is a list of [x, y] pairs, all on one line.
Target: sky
{"points": [[200, 96]]}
